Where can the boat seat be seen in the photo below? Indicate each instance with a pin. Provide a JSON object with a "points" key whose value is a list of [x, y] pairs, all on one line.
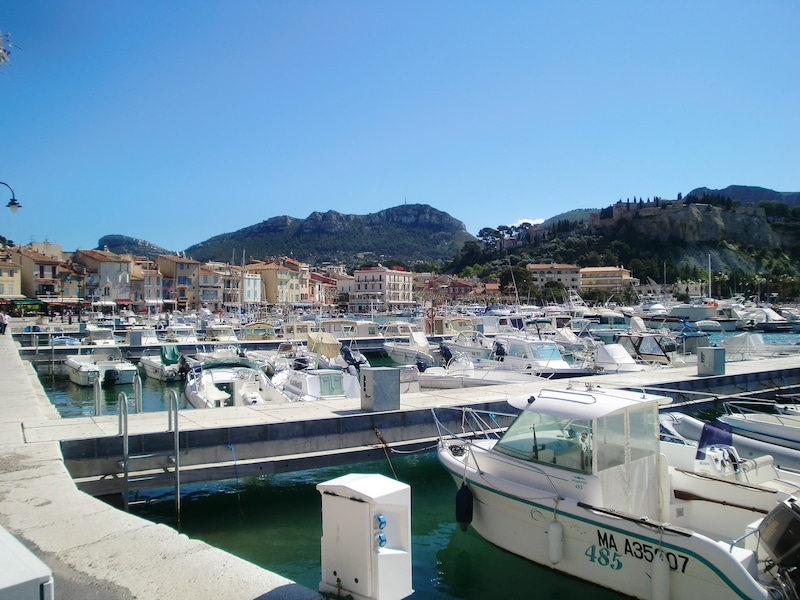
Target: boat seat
{"points": [[215, 394]]}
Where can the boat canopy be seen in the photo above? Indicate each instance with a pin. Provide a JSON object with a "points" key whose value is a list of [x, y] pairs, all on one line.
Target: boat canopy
{"points": [[324, 343], [584, 404]]}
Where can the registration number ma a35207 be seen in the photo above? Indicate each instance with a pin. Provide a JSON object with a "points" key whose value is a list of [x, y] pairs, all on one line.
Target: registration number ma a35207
{"points": [[610, 552]]}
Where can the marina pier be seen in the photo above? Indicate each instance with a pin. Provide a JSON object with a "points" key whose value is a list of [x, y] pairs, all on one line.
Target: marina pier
{"points": [[46, 462]]}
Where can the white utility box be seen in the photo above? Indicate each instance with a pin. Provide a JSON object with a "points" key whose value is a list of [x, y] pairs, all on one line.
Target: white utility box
{"points": [[710, 361], [380, 388], [366, 537], [22, 575]]}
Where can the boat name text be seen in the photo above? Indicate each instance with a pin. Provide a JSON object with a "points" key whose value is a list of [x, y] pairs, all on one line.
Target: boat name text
{"points": [[608, 543]]}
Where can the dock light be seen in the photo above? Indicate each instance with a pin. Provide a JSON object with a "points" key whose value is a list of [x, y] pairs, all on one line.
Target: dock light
{"points": [[380, 522], [13, 204]]}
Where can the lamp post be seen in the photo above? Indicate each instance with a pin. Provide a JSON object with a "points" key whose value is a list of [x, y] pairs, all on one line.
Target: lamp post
{"points": [[13, 205]]}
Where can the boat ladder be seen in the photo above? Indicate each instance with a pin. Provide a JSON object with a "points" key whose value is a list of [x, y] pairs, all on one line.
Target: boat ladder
{"points": [[154, 465], [99, 396]]}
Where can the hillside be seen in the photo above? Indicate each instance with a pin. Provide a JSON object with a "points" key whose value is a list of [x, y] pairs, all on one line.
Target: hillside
{"points": [[658, 239], [749, 194], [410, 233]]}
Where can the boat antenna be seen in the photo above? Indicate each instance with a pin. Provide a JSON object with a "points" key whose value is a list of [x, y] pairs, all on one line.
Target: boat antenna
{"points": [[513, 279]]}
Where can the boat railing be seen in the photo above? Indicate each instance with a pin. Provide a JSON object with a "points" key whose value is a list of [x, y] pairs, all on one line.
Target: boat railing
{"points": [[474, 423], [745, 408]]}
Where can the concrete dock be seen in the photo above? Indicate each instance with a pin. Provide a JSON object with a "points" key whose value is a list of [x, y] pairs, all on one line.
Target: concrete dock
{"points": [[97, 551]]}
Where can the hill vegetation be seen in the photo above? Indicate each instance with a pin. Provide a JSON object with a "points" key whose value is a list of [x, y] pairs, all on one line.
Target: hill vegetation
{"points": [[753, 247]]}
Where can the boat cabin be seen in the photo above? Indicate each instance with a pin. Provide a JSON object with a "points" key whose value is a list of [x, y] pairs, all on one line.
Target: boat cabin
{"points": [[609, 441]]}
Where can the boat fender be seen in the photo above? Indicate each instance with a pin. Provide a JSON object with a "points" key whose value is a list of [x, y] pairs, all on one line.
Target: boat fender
{"points": [[660, 576], [555, 541], [464, 506]]}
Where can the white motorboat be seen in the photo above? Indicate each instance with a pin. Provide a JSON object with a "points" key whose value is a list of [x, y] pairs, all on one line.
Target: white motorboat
{"points": [[258, 331], [749, 346], [317, 384], [406, 344], [776, 427], [415, 351], [105, 364], [229, 382], [163, 364], [614, 358], [524, 353], [461, 372], [181, 333], [99, 336], [690, 429], [470, 342], [580, 483], [221, 333]]}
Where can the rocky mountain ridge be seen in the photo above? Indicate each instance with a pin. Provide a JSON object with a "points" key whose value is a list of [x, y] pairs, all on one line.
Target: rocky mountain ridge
{"points": [[416, 232]]}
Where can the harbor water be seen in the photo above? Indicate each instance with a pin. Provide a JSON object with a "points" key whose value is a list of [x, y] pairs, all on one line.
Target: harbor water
{"points": [[275, 521]]}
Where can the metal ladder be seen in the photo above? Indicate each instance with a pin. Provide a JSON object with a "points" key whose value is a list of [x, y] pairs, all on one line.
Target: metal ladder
{"points": [[171, 464]]}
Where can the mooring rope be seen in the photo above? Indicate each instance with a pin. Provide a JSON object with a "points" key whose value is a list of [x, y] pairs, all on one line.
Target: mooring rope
{"points": [[386, 449]]}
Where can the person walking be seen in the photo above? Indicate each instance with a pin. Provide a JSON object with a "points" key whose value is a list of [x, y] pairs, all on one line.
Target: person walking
{"points": [[4, 321]]}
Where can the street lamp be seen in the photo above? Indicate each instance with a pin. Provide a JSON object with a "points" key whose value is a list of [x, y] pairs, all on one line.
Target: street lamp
{"points": [[12, 204]]}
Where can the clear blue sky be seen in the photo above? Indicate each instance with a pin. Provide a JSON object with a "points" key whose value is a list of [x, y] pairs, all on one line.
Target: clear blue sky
{"points": [[174, 121]]}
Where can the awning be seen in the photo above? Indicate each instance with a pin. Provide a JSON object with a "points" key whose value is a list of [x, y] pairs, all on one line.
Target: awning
{"points": [[56, 301], [29, 302], [104, 303], [124, 301]]}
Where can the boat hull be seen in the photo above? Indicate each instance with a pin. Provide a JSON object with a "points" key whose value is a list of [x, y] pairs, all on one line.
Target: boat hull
{"points": [[110, 372], [611, 549]]}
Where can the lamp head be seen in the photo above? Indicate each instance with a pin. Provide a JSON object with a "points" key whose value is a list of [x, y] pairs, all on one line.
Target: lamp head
{"points": [[13, 205]]}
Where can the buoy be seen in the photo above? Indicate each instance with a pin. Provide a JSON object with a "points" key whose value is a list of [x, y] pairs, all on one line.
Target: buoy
{"points": [[555, 541], [660, 577], [464, 506]]}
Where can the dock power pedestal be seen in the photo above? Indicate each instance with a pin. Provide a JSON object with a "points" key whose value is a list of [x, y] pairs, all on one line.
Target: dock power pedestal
{"points": [[366, 537], [23, 576], [380, 389]]}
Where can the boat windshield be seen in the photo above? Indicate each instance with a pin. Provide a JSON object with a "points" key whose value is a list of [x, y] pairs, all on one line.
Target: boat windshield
{"points": [[549, 439], [546, 352]]}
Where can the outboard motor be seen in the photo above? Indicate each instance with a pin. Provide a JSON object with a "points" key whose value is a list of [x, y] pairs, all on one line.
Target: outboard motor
{"points": [[300, 363], [447, 354], [110, 377], [779, 535], [348, 356], [183, 367]]}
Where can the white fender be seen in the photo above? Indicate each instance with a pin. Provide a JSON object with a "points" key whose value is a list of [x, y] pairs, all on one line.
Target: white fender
{"points": [[555, 542], [660, 576]]}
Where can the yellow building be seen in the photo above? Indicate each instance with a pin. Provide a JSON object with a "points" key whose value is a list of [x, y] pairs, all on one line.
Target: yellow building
{"points": [[607, 278]]}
